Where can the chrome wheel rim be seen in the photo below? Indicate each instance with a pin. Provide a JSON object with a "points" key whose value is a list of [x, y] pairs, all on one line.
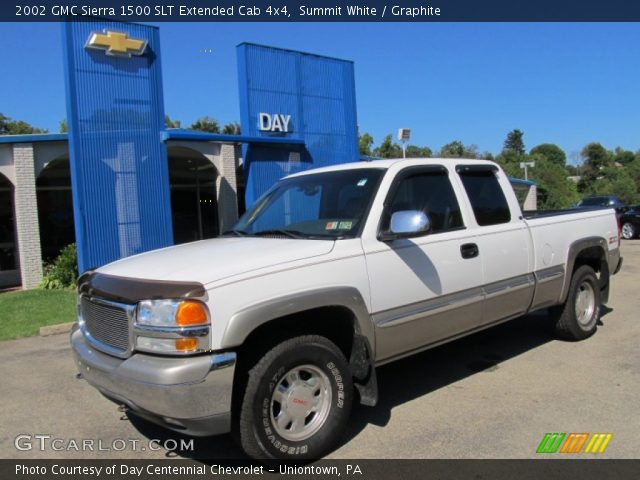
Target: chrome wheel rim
{"points": [[627, 231], [300, 403], [585, 303]]}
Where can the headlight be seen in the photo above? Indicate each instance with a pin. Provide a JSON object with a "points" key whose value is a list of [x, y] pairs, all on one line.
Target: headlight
{"points": [[172, 313], [172, 326], [158, 313]]}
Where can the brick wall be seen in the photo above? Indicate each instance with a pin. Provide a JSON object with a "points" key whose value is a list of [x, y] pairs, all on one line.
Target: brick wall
{"points": [[26, 208], [226, 186]]}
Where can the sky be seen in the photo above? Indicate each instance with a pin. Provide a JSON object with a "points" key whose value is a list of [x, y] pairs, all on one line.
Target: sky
{"points": [[563, 83]]}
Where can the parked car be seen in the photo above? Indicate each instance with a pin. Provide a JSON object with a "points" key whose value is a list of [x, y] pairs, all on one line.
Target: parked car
{"points": [[603, 201], [630, 222], [269, 331]]}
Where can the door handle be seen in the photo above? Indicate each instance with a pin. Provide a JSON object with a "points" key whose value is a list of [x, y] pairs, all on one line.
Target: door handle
{"points": [[469, 250]]}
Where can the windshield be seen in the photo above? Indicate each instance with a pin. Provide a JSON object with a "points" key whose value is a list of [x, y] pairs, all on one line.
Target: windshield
{"points": [[327, 205]]}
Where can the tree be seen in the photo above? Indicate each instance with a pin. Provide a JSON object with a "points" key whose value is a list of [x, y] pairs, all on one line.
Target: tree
{"points": [[555, 189], [413, 151], [206, 124], [510, 163], [168, 123], [633, 170], [63, 128], [232, 128], [595, 159], [514, 142], [551, 152], [388, 149], [572, 170], [457, 149], [615, 181], [622, 156], [9, 126], [365, 142]]}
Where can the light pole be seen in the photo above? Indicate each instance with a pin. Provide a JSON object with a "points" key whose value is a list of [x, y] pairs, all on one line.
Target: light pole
{"points": [[525, 165], [404, 134]]}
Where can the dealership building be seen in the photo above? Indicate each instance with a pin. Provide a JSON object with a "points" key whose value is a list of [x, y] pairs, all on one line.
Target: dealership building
{"points": [[120, 183]]}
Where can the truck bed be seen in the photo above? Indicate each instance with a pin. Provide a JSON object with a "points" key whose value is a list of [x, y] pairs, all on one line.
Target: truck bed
{"points": [[529, 214]]}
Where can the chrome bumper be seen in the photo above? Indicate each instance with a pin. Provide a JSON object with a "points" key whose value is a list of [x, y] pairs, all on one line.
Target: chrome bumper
{"points": [[190, 395]]}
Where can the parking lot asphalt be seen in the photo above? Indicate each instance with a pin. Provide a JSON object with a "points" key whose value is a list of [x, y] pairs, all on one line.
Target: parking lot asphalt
{"points": [[491, 395]]}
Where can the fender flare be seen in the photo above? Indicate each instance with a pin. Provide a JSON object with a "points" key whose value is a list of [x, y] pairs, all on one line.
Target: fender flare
{"points": [[574, 249], [362, 358]]}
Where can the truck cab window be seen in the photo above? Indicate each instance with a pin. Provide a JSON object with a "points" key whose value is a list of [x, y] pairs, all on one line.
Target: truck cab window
{"points": [[486, 196], [430, 192]]}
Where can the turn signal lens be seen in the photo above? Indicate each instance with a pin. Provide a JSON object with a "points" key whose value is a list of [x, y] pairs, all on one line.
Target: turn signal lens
{"points": [[186, 344], [191, 313]]}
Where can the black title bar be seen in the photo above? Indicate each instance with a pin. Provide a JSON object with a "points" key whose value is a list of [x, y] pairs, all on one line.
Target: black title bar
{"points": [[324, 11]]}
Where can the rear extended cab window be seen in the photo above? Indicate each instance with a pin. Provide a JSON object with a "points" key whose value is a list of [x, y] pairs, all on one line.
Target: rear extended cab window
{"points": [[487, 198]]}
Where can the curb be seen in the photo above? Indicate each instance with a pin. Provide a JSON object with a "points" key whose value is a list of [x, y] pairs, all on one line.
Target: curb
{"points": [[56, 329]]}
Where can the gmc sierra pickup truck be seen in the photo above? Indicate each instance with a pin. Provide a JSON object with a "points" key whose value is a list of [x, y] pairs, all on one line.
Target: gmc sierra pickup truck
{"points": [[274, 329]]}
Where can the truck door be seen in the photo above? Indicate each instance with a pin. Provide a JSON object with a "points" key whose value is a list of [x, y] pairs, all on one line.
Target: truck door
{"points": [[423, 289], [503, 240]]}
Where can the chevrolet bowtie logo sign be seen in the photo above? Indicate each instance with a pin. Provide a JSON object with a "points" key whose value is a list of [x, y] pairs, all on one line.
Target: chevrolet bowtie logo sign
{"points": [[116, 44]]}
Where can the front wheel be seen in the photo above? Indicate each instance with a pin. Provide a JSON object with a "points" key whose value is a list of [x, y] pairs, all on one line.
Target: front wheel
{"points": [[578, 317], [628, 231], [297, 400]]}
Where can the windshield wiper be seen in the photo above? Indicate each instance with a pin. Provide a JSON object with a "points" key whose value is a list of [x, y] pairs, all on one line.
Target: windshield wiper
{"points": [[279, 231], [237, 233]]}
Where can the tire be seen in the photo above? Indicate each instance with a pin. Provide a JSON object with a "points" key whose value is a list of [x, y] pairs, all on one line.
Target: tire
{"points": [[578, 317], [297, 401], [628, 231]]}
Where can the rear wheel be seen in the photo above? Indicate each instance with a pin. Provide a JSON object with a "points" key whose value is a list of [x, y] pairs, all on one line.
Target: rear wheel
{"points": [[578, 317], [628, 231], [297, 400]]}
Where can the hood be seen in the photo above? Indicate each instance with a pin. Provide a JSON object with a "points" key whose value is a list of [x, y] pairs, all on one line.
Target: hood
{"points": [[211, 260]]}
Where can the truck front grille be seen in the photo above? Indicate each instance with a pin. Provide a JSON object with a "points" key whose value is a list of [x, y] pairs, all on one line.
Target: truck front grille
{"points": [[107, 324]]}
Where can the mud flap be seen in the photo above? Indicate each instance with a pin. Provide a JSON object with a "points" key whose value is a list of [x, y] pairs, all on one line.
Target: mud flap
{"points": [[364, 371]]}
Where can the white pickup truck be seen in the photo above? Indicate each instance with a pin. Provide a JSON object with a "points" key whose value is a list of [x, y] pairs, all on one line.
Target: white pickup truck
{"points": [[274, 329]]}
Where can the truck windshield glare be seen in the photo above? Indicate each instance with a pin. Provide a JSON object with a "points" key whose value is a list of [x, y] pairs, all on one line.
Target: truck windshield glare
{"points": [[328, 205]]}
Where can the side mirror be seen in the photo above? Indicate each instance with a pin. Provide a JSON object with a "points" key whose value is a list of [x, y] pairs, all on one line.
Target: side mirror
{"points": [[407, 224]]}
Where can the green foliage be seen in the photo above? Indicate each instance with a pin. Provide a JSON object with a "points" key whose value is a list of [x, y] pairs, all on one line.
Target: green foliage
{"points": [[622, 156], [556, 191], [168, 123], [63, 128], [514, 142], [572, 170], [63, 271], [551, 152], [9, 126], [595, 159], [615, 181], [413, 151], [388, 149], [633, 170], [457, 149], [365, 142], [232, 128], [206, 124]]}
